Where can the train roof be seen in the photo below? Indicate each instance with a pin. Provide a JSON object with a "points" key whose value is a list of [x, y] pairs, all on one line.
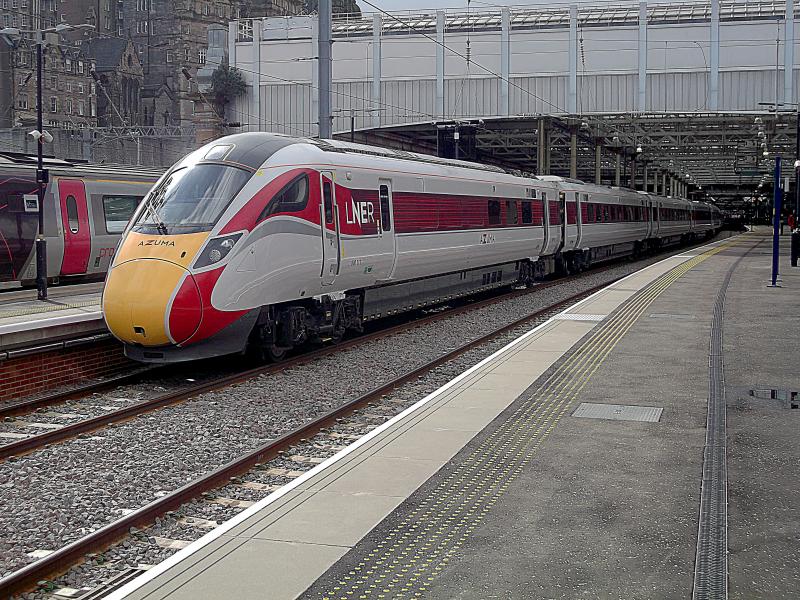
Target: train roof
{"points": [[59, 166], [252, 149]]}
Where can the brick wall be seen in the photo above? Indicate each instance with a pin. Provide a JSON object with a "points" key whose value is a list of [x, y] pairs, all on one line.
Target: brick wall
{"points": [[39, 373]]}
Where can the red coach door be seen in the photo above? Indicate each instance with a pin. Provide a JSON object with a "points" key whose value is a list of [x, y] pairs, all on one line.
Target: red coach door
{"points": [[75, 219]]}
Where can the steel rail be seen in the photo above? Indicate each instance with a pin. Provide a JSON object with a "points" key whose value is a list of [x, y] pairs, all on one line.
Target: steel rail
{"points": [[67, 432], [38, 441], [61, 560]]}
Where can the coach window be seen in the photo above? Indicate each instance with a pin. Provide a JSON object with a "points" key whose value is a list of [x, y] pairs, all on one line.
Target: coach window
{"points": [[511, 212], [118, 210], [386, 213], [527, 213], [327, 197], [494, 212], [72, 214], [292, 198]]}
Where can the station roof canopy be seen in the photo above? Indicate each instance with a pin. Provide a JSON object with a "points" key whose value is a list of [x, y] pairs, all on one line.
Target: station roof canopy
{"points": [[720, 155]]}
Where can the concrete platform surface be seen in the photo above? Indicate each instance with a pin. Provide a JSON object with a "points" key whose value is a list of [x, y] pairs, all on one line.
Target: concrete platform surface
{"points": [[489, 488], [66, 313]]}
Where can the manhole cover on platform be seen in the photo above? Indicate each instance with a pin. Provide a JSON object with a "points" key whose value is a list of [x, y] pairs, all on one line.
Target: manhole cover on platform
{"points": [[618, 412]]}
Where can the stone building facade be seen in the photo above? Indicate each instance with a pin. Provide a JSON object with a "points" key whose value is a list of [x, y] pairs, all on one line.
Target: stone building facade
{"points": [[171, 37], [119, 78], [68, 90]]}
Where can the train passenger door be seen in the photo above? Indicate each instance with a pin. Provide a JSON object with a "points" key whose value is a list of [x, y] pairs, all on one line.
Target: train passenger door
{"points": [[75, 221], [386, 239], [570, 225], [329, 229]]}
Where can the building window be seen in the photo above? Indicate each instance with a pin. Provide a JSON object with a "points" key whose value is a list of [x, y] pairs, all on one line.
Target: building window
{"points": [[186, 54], [80, 67], [14, 3], [53, 103], [80, 88], [22, 101], [68, 106], [68, 86], [202, 56], [68, 64], [81, 108], [92, 108], [169, 56]]}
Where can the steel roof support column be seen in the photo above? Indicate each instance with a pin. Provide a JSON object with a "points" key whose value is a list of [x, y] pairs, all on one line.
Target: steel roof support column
{"points": [[642, 101], [664, 178], [543, 147], [440, 65], [573, 153], [645, 176], [633, 173], [713, 72], [572, 100], [617, 179], [255, 77], [505, 60], [325, 69], [597, 174], [314, 78], [788, 54], [377, 27]]}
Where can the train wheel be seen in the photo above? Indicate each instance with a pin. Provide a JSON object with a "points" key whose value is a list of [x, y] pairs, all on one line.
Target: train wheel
{"points": [[275, 353]]}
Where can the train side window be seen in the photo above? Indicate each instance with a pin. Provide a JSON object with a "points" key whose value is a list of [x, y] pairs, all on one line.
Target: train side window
{"points": [[494, 212], [327, 198], [527, 213], [292, 198], [118, 210], [72, 214], [511, 212], [386, 213]]}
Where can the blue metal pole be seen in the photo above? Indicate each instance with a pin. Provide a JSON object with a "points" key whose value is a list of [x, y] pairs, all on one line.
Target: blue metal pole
{"points": [[776, 221]]}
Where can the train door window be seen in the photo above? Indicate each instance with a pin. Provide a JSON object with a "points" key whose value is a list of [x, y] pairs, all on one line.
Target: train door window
{"points": [[327, 198], [494, 212], [511, 212], [527, 213], [386, 213], [72, 214], [118, 210]]}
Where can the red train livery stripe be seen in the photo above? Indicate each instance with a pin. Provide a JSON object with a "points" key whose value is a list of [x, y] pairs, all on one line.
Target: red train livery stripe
{"points": [[212, 320], [186, 312]]}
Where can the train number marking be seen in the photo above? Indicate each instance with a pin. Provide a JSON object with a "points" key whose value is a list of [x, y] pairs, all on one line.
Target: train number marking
{"points": [[359, 212], [487, 238]]}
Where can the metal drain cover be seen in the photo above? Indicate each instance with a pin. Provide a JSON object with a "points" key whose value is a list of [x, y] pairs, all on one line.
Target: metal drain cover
{"points": [[618, 412]]}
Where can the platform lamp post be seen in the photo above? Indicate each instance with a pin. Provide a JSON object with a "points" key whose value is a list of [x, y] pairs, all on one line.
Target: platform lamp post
{"points": [[41, 136]]}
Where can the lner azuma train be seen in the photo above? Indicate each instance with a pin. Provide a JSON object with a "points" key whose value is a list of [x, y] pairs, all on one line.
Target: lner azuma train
{"points": [[86, 209], [263, 242]]}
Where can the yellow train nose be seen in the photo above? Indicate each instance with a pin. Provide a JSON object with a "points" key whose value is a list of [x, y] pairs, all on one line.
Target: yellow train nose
{"points": [[139, 297]]}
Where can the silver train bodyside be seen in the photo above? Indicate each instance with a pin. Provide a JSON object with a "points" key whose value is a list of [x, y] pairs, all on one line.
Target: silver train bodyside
{"points": [[86, 209], [382, 232]]}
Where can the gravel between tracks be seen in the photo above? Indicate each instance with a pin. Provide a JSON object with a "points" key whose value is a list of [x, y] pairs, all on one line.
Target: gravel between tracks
{"points": [[56, 495]]}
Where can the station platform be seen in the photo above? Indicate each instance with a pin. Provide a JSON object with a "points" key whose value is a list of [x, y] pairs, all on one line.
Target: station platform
{"points": [[68, 312], [641, 444]]}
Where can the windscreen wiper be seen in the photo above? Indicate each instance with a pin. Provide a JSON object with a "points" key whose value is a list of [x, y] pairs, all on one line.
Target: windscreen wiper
{"points": [[161, 227]]}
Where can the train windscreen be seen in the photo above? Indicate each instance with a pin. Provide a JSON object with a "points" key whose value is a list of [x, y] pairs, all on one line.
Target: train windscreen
{"points": [[190, 199], [18, 226]]}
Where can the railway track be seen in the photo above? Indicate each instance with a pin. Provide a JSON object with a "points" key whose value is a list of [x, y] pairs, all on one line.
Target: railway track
{"points": [[75, 552], [62, 559], [57, 433]]}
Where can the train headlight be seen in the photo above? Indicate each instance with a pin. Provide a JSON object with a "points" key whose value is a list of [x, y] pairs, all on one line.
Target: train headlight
{"points": [[216, 250]]}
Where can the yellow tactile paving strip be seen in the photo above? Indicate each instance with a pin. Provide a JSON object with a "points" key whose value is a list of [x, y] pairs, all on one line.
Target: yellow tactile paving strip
{"points": [[411, 555], [47, 307]]}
